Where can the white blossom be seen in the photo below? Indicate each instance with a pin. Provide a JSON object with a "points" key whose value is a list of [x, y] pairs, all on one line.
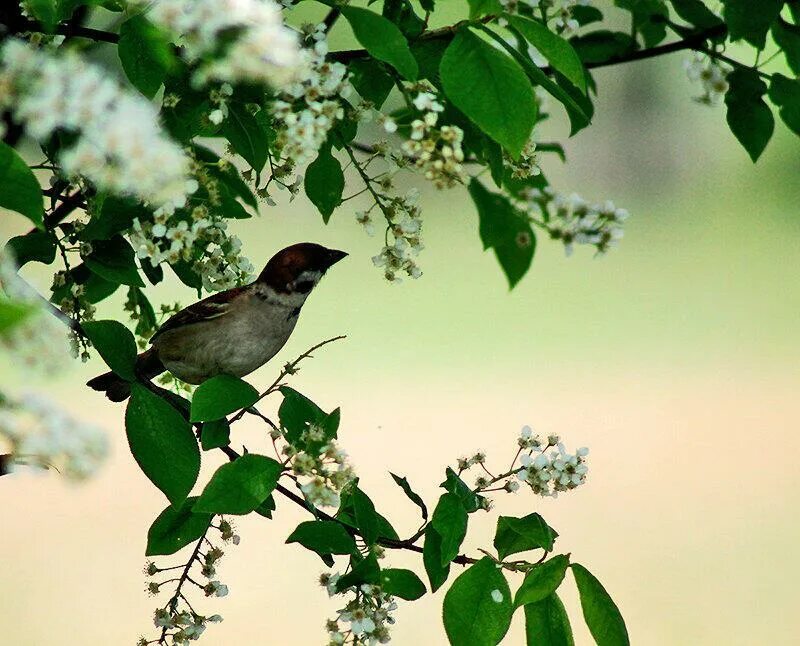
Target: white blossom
{"points": [[712, 76]]}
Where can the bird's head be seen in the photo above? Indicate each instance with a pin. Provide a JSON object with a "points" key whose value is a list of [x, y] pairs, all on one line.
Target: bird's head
{"points": [[298, 268]]}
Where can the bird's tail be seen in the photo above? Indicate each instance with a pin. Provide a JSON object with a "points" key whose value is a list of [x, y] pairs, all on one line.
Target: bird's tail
{"points": [[148, 365]]}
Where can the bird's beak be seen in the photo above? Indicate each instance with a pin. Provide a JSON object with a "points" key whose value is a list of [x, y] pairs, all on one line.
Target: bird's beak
{"points": [[334, 256]]}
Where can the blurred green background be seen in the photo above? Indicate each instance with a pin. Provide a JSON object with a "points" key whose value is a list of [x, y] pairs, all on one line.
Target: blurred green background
{"points": [[674, 358]]}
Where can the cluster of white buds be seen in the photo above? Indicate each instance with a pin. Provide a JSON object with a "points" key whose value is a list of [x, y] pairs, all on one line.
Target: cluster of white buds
{"points": [[233, 40], [573, 220], [548, 473], [219, 98], [563, 21], [119, 147], [711, 74], [39, 434], [435, 150], [405, 227], [307, 110], [365, 620], [38, 341], [321, 465], [528, 163], [178, 620]]}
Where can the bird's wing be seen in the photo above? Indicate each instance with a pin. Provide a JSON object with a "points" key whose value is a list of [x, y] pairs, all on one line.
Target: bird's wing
{"points": [[208, 309]]}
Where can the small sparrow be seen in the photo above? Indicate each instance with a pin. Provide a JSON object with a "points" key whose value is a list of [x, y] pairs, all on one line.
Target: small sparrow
{"points": [[233, 332]]}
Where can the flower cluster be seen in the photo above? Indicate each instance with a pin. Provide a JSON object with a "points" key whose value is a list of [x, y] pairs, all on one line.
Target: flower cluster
{"points": [[563, 21], [365, 620], [321, 464], [711, 74], [233, 40], [436, 151], [528, 163], [177, 619], [572, 220], [405, 225], [119, 146], [42, 435], [307, 110], [38, 340], [550, 473]]}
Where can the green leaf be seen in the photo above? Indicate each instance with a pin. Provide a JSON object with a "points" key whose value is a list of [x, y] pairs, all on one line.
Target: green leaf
{"points": [[477, 607], [114, 260], [542, 581], [365, 516], [601, 46], [586, 14], [450, 522], [44, 11], [649, 18], [785, 93], [247, 135], [115, 216], [221, 395], [412, 495], [559, 53], [455, 485], [175, 528], [116, 345], [34, 246], [365, 570], [12, 314], [696, 13], [162, 443], [145, 54], [215, 434], [239, 487], [266, 508], [402, 14], [505, 230], [428, 54], [478, 8], [515, 535], [370, 80], [749, 117], [382, 39], [402, 583], [547, 624], [751, 20], [491, 89], [19, 189], [297, 412], [323, 537], [432, 559], [324, 182], [788, 39], [600, 612]]}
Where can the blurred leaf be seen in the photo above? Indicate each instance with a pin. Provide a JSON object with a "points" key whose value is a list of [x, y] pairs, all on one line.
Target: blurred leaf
{"points": [[175, 528], [751, 20], [787, 38], [785, 92], [215, 434], [696, 13], [491, 89], [34, 246], [473, 614], [324, 182], [221, 395], [749, 117], [402, 583], [600, 46], [162, 443], [542, 581], [116, 345], [239, 487], [586, 14], [145, 54], [12, 314], [114, 260], [515, 535], [505, 230], [450, 522], [558, 52], [382, 39], [19, 189], [370, 80], [478, 8], [432, 558], [547, 624], [649, 18], [246, 135], [412, 495], [600, 612], [323, 537], [44, 11]]}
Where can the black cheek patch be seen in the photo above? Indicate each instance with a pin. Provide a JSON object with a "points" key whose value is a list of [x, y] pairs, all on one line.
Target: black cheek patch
{"points": [[304, 286]]}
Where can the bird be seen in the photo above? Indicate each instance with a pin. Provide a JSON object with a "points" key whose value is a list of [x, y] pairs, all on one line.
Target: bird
{"points": [[233, 332]]}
